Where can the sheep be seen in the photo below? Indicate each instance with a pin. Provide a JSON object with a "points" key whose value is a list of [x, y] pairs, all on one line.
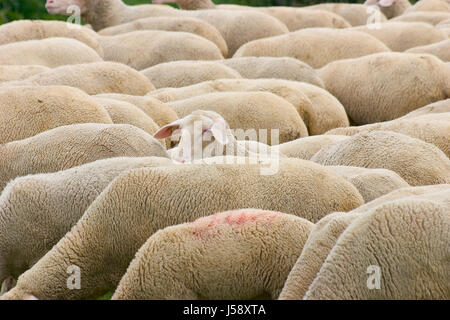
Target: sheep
{"points": [[23, 30], [245, 254], [177, 74], [250, 111], [442, 106], [324, 238], [444, 26], [205, 134], [93, 78], [439, 49], [51, 52], [318, 117], [315, 46], [431, 17], [28, 111], [69, 146], [48, 205], [429, 5], [236, 27], [417, 162], [401, 36], [390, 8], [305, 148], [431, 128], [371, 183], [274, 67], [141, 201], [369, 87], [355, 14], [183, 24], [143, 49], [122, 112], [17, 72]]}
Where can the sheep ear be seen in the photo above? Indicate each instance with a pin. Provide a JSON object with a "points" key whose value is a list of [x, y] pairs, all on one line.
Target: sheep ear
{"points": [[386, 3], [168, 130], [219, 131]]}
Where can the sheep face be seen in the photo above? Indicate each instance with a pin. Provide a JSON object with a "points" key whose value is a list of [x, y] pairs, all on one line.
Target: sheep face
{"points": [[199, 131], [63, 6]]}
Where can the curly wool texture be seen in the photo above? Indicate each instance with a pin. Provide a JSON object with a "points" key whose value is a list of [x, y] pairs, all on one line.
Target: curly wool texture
{"points": [[328, 234], [431, 17], [442, 106], [73, 145], [143, 49], [399, 83], [249, 111], [240, 254], [315, 46], [28, 111], [433, 128], [178, 74], [51, 52], [305, 148], [371, 183], [274, 68], [183, 24], [13, 73], [103, 244], [355, 14], [23, 30], [401, 36], [417, 162], [439, 49], [93, 78], [36, 211]]}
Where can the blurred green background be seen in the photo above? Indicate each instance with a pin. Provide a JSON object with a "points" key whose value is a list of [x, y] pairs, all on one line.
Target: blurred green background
{"points": [[35, 9]]}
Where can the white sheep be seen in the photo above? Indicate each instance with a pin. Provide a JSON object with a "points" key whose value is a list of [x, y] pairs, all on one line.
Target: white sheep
{"points": [[17, 72], [417, 162], [93, 78], [429, 5], [315, 46], [239, 254], [48, 205], [390, 8], [439, 49], [51, 52], [142, 201], [28, 111], [177, 74], [73, 145], [441, 106], [405, 80], [431, 17], [305, 148]]}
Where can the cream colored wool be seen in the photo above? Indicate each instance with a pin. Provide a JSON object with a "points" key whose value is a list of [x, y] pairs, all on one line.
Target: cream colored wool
{"points": [[371, 183], [431, 17], [241, 254], [23, 30], [433, 128], [305, 148], [439, 49], [249, 110], [442, 106], [430, 5], [390, 8], [323, 240], [417, 162], [355, 14], [13, 73], [143, 49], [317, 116], [122, 112], [401, 36], [36, 211], [28, 111], [177, 74], [142, 201], [69, 146], [386, 86], [271, 67], [183, 24], [93, 78], [315, 46], [51, 52]]}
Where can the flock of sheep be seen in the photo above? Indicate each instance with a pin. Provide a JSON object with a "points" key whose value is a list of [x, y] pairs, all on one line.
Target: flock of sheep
{"points": [[226, 152]]}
